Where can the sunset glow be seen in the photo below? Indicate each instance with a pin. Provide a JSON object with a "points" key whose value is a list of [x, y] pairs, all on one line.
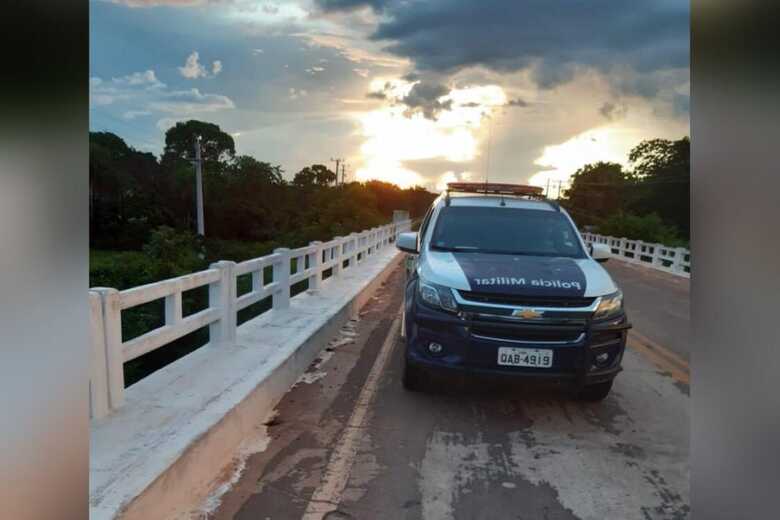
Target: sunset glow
{"points": [[393, 135]]}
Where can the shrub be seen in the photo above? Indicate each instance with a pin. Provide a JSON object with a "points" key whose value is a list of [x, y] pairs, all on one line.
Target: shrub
{"points": [[648, 228], [175, 252]]}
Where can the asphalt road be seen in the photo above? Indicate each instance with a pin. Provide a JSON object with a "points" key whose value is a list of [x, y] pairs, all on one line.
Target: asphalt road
{"points": [[348, 442], [658, 304]]}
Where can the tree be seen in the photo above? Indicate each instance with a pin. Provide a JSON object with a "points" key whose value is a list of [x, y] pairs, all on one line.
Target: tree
{"points": [[663, 171], [314, 175], [249, 168], [123, 196], [217, 147], [597, 191]]}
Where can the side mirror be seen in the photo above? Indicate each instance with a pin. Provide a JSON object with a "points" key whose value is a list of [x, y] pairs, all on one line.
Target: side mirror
{"points": [[407, 242], [600, 252]]}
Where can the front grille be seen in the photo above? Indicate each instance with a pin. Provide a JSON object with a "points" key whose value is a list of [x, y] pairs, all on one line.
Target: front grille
{"points": [[532, 334], [527, 301]]}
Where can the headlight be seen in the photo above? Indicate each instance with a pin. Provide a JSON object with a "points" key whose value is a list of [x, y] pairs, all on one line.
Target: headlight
{"points": [[610, 305], [437, 296]]}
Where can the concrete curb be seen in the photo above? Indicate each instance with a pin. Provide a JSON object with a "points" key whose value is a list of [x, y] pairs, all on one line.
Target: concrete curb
{"points": [[206, 450]]}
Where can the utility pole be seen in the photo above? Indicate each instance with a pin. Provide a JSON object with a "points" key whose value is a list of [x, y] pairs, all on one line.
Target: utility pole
{"points": [[199, 188], [338, 161], [343, 172], [547, 191]]}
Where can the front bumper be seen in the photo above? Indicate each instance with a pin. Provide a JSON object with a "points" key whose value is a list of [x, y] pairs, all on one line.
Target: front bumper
{"points": [[469, 349]]}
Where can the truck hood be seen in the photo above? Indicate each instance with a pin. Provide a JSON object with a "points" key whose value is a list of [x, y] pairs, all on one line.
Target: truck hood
{"points": [[517, 274]]}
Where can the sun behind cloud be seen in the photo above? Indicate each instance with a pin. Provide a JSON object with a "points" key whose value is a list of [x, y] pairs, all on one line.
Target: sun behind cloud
{"points": [[394, 134]]}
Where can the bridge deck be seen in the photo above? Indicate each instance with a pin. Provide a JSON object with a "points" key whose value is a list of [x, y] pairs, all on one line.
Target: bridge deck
{"points": [[350, 442]]}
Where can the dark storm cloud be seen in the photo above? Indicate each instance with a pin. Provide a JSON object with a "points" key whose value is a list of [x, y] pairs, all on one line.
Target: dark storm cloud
{"points": [[376, 95], [348, 5], [447, 35], [424, 97], [554, 39]]}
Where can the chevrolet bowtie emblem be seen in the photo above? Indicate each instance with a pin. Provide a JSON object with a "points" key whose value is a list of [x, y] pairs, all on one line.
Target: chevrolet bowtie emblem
{"points": [[527, 314]]}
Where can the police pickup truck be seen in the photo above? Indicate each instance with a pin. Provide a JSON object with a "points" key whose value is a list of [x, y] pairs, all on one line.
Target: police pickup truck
{"points": [[502, 284]]}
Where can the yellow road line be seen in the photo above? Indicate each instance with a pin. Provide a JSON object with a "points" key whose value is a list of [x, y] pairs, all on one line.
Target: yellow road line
{"points": [[660, 356], [327, 496]]}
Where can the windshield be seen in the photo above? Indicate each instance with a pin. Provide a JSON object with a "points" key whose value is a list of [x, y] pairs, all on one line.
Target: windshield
{"points": [[505, 231]]}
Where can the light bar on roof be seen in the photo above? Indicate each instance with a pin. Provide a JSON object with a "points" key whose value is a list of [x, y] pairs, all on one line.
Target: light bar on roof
{"points": [[494, 187]]}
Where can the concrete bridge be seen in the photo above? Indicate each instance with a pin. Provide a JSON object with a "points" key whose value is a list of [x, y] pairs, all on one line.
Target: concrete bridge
{"points": [[299, 412]]}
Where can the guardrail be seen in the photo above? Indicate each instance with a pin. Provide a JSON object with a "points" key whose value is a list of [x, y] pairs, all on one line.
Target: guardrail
{"points": [[675, 260], [109, 352]]}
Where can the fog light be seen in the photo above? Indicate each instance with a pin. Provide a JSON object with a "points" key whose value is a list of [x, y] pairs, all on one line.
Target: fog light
{"points": [[435, 348], [602, 359]]}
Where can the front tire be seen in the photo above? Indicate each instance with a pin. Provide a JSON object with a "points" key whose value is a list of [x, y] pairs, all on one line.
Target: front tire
{"points": [[595, 393], [412, 378]]}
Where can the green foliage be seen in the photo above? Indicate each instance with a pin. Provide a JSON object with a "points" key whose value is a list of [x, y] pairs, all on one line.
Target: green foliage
{"points": [[120, 269], [216, 146], [605, 194], [237, 250], [597, 189], [175, 252], [648, 228], [314, 175]]}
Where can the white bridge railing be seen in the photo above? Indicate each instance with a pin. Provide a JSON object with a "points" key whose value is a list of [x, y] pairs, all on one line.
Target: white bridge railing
{"points": [[675, 260], [109, 352]]}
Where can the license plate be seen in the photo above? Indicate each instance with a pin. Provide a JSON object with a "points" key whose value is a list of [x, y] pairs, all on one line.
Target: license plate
{"points": [[525, 357]]}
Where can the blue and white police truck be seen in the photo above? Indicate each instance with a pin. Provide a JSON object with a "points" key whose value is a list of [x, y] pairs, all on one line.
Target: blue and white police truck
{"points": [[501, 284]]}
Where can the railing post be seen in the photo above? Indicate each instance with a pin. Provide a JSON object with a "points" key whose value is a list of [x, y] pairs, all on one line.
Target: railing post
{"points": [[337, 251], [353, 253], [679, 258], [656, 262], [115, 361], [173, 309], [315, 279], [222, 295], [98, 367], [281, 298], [623, 248]]}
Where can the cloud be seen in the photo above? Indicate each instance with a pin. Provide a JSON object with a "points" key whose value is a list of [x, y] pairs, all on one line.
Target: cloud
{"points": [[297, 93], [451, 176], [190, 102], [142, 94], [426, 97], [376, 95], [363, 73], [132, 114], [613, 110], [102, 93], [258, 51], [314, 70], [193, 69], [349, 5], [353, 49], [147, 79], [169, 3], [517, 102], [553, 43], [270, 9]]}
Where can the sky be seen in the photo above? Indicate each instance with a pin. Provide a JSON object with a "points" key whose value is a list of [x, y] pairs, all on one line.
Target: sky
{"points": [[415, 92]]}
